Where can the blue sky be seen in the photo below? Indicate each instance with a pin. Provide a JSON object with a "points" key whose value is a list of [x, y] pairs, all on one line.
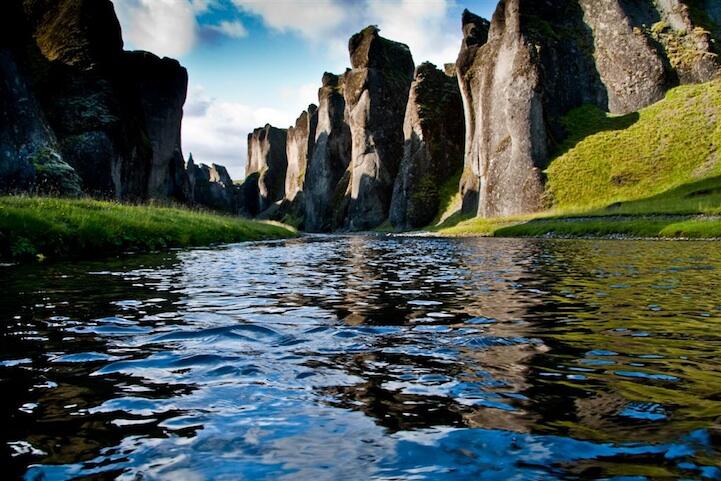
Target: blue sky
{"points": [[252, 62]]}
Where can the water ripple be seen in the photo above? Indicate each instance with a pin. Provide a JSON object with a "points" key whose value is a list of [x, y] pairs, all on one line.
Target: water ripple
{"points": [[363, 358]]}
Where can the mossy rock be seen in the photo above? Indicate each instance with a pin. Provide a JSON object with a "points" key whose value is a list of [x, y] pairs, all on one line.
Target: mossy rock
{"points": [[53, 175]]}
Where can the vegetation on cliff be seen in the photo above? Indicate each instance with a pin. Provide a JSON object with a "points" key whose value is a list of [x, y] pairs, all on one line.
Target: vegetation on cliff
{"points": [[608, 159], [654, 173], [53, 228]]}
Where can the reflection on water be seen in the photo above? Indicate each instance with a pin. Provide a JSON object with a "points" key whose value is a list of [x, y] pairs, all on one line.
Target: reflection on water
{"points": [[359, 358]]}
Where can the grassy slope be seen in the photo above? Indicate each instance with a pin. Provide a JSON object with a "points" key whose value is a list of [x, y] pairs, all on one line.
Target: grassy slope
{"points": [[31, 226], [631, 175], [609, 159]]}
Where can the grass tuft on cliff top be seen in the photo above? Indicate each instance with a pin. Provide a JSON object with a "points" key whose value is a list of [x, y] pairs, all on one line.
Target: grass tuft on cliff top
{"points": [[654, 173], [32, 227]]}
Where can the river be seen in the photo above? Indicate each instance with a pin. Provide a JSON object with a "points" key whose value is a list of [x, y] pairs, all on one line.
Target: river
{"points": [[366, 357]]}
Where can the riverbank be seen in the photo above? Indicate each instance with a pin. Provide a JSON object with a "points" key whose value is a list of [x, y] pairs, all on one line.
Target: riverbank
{"points": [[41, 227], [690, 211], [637, 227]]}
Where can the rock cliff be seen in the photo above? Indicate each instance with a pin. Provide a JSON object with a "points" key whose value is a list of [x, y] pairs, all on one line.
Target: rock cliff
{"points": [[376, 91], [248, 196], [323, 189], [114, 115], [30, 158], [161, 86], [433, 149], [299, 148], [543, 58], [267, 156], [212, 187]]}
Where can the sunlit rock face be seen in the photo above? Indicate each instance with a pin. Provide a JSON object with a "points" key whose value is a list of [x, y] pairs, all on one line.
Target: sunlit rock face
{"points": [[536, 61], [299, 148], [323, 186], [376, 91], [433, 147], [267, 156], [115, 115], [641, 49]]}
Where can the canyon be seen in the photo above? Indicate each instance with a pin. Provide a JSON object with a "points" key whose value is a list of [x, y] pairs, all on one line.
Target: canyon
{"points": [[388, 139]]}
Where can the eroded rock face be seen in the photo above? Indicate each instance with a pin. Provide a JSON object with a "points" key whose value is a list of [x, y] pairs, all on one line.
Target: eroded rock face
{"points": [[631, 69], [433, 149], [161, 86], [267, 156], [323, 191], [475, 35], [544, 58], [248, 196], [643, 48], [376, 92], [211, 187], [299, 148], [115, 115], [30, 158]]}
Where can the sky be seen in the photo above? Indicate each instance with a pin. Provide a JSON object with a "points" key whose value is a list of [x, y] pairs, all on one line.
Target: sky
{"points": [[252, 62]]}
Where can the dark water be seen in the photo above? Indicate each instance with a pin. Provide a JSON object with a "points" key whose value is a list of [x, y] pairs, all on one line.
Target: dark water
{"points": [[356, 358]]}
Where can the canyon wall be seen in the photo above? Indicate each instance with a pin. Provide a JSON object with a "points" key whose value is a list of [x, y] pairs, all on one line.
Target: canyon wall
{"points": [[112, 118], [299, 147], [433, 147], [542, 59], [210, 186], [267, 156], [79, 115], [376, 91], [323, 187], [518, 75]]}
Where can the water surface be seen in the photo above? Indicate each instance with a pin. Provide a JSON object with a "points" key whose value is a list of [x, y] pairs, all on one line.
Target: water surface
{"points": [[356, 358]]}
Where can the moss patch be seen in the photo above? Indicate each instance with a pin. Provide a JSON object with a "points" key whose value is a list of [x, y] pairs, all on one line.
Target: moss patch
{"points": [[54, 176]]}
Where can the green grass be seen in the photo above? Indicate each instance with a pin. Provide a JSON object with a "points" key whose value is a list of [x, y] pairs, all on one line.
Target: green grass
{"points": [[32, 227], [608, 227], [608, 159], [669, 227], [655, 173], [449, 198]]}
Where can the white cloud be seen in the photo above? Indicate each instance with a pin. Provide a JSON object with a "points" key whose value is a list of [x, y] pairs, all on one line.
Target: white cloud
{"points": [[215, 131], [164, 27], [232, 29], [426, 27], [202, 6], [300, 97], [313, 20]]}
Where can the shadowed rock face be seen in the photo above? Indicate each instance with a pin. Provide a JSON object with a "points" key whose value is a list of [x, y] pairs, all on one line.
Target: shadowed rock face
{"points": [[161, 88], [544, 58], [248, 196], [212, 187], [30, 158], [300, 145], [268, 157], [115, 115], [433, 150], [323, 190], [376, 92]]}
